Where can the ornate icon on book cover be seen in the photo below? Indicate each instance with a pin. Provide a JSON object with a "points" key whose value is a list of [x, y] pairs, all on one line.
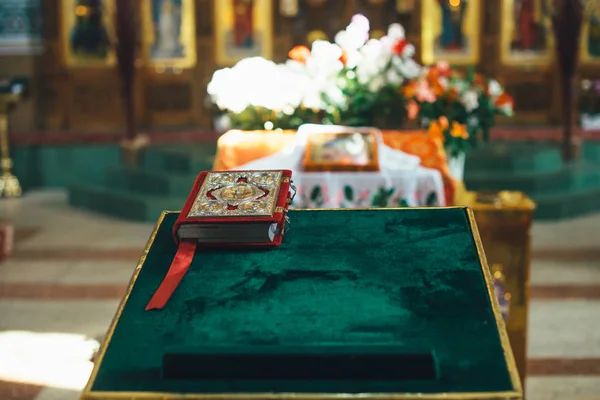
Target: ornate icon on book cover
{"points": [[237, 194], [169, 33], [243, 28], [590, 39], [88, 32], [526, 34], [450, 31]]}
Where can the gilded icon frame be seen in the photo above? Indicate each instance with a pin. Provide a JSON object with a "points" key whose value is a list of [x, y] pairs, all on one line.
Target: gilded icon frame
{"points": [[187, 37], [519, 58], [262, 21], [430, 17], [584, 56], [68, 9]]}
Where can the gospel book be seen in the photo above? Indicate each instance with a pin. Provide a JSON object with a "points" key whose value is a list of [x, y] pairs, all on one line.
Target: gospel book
{"points": [[229, 208], [236, 207]]}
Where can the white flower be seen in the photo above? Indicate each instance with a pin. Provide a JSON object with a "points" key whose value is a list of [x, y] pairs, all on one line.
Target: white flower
{"points": [[373, 61], [470, 99], [335, 96], [507, 110], [408, 68], [409, 51], [256, 82], [360, 22], [376, 84], [355, 35], [494, 88], [325, 58], [459, 85], [443, 81], [396, 32], [394, 78]]}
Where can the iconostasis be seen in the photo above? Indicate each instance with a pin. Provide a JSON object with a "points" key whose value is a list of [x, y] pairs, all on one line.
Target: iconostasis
{"points": [[182, 42]]}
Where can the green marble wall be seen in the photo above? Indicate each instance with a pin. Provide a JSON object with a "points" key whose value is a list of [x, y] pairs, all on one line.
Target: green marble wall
{"points": [[63, 166]]}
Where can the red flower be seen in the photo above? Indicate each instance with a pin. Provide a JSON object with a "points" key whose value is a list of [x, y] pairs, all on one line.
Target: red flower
{"points": [[299, 54], [399, 47]]}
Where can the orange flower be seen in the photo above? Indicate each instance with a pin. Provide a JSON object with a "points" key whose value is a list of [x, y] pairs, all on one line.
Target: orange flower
{"points": [[435, 131], [444, 124], [410, 90], [344, 57], [432, 74], [504, 100], [459, 131], [299, 54], [437, 87], [413, 109]]}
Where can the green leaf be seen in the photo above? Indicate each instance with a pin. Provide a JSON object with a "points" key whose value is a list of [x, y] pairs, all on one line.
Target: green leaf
{"points": [[348, 193], [403, 203], [315, 193]]}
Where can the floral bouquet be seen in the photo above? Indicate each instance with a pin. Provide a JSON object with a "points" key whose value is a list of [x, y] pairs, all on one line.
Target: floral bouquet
{"points": [[471, 100], [453, 135], [260, 94], [360, 79]]}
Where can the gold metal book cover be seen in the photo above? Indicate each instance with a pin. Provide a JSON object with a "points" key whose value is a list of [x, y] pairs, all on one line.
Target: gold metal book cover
{"points": [[237, 194]]}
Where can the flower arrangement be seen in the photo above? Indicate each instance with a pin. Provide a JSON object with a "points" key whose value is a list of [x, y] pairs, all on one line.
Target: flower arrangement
{"points": [[471, 100], [354, 81], [360, 78], [259, 94], [454, 136]]}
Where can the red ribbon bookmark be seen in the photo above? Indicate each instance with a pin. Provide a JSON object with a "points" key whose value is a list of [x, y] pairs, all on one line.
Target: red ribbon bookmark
{"points": [[181, 263]]}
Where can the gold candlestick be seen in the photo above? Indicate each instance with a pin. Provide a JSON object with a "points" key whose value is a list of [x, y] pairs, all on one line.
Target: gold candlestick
{"points": [[9, 184]]}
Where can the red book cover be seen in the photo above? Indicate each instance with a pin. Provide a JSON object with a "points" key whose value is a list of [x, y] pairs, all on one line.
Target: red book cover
{"points": [[221, 198], [227, 208]]}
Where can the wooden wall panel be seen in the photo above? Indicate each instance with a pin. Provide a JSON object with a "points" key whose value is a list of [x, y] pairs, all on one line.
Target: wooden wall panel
{"points": [[89, 99]]}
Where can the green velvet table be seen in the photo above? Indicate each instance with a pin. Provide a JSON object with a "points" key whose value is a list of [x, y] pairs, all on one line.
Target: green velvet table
{"points": [[413, 278]]}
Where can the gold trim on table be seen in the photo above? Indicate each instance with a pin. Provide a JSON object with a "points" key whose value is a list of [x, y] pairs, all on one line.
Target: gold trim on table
{"points": [[166, 45], [431, 23], [504, 395]]}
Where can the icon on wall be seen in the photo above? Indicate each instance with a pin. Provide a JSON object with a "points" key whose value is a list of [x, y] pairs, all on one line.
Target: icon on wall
{"points": [[590, 40], [169, 33], [526, 34], [20, 27], [450, 31], [243, 28], [88, 32]]}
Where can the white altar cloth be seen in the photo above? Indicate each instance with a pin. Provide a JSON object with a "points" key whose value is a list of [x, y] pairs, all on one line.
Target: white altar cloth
{"points": [[401, 181]]}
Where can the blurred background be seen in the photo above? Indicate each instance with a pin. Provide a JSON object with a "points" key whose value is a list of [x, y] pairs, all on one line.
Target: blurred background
{"points": [[111, 108]]}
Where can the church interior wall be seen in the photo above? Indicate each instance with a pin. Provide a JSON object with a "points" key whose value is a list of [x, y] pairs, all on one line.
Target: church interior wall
{"points": [[70, 97]]}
